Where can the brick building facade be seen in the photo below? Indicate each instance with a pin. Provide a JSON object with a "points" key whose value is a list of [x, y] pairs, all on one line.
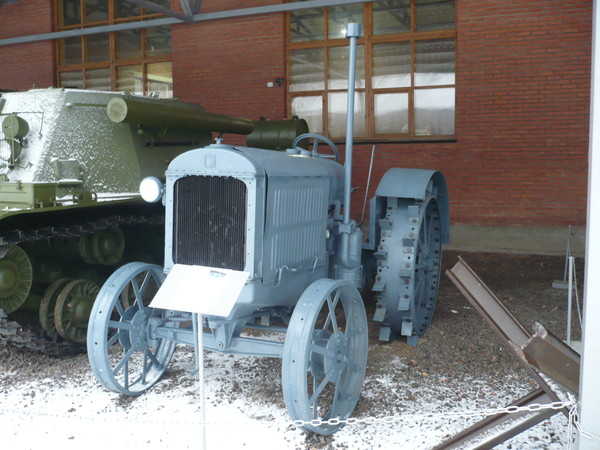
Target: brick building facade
{"points": [[517, 169]]}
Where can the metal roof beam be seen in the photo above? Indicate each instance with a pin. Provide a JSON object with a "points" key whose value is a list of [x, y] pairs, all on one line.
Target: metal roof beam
{"points": [[229, 14]]}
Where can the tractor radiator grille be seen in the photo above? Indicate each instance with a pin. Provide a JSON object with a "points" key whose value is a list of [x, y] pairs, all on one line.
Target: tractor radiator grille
{"points": [[209, 226]]}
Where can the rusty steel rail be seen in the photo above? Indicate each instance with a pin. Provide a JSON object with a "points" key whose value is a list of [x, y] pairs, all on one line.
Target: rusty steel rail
{"points": [[514, 334]]}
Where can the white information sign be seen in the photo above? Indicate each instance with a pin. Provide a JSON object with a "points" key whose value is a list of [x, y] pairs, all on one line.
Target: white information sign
{"points": [[198, 289]]}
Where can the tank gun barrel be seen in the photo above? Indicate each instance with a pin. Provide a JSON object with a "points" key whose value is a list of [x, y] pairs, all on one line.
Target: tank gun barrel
{"points": [[171, 113], [271, 134]]}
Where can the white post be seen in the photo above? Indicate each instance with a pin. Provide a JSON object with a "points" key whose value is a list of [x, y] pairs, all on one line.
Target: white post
{"points": [[589, 388], [200, 356], [570, 300]]}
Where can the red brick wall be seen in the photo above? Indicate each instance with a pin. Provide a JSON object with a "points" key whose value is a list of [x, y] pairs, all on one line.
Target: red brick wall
{"points": [[25, 65], [522, 118], [225, 65]]}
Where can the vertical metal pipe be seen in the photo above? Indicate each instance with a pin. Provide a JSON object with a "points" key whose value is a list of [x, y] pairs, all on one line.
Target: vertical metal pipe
{"points": [[352, 33], [589, 388]]}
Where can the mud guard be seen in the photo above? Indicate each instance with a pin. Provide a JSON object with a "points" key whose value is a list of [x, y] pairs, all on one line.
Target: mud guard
{"points": [[412, 184]]}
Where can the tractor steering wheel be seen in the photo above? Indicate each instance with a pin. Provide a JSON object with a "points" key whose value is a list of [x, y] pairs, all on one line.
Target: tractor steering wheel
{"points": [[315, 152]]}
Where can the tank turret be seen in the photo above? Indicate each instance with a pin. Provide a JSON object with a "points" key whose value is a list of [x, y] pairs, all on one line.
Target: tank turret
{"points": [[71, 162]]}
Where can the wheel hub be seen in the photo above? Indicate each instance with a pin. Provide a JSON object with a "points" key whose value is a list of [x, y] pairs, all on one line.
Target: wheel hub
{"points": [[136, 328], [337, 351], [8, 277]]}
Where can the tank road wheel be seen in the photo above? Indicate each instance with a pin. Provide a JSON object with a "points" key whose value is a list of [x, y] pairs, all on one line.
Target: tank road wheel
{"points": [[16, 277], [108, 246], [325, 355], [409, 264], [72, 309], [86, 251], [48, 304], [122, 354]]}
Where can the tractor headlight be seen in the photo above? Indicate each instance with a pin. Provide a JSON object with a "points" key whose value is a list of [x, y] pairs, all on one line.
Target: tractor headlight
{"points": [[151, 189]]}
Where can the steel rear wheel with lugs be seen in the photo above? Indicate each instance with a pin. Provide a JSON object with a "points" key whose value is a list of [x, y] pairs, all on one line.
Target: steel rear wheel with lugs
{"points": [[325, 355], [122, 355], [409, 260]]}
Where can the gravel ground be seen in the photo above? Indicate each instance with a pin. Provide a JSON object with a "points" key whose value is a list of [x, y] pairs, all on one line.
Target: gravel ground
{"points": [[459, 363]]}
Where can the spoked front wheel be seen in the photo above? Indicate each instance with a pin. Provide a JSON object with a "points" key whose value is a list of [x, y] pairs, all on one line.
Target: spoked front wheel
{"points": [[325, 355], [123, 356]]}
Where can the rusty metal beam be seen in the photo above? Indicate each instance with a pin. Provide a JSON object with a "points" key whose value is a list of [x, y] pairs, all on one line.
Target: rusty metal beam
{"points": [[553, 357], [514, 334], [491, 422]]}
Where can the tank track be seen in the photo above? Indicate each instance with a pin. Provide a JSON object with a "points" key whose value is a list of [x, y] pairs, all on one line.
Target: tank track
{"points": [[15, 237], [33, 338]]}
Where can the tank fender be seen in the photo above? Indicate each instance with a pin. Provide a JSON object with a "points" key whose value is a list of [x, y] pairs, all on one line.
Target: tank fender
{"points": [[413, 184]]}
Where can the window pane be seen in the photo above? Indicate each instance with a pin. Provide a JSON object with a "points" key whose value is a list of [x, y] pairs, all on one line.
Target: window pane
{"points": [[98, 79], [306, 70], [311, 110], [434, 14], [338, 67], [96, 10], [391, 65], [69, 12], [391, 17], [307, 25], [125, 8], [70, 50], [71, 79], [337, 105], [158, 41], [159, 79], [129, 44], [434, 111], [98, 47], [130, 79], [391, 113], [434, 62], [340, 16]]}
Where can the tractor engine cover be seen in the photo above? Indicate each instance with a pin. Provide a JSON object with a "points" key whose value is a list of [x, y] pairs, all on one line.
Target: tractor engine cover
{"points": [[252, 210]]}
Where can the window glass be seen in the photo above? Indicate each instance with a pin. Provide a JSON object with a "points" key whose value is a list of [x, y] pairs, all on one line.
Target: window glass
{"points": [[311, 110], [72, 79], [340, 16], [434, 62], [337, 107], [130, 79], [434, 112], [159, 79], [129, 44], [97, 79], [98, 47], [434, 14], [307, 25], [338, 67], [391, 113], [391, 65], [96, 11], [125, 8], [306, 71], [137, 60], [69, 12], [158, 41], [405, 73], [70, 50], [391, 17]]}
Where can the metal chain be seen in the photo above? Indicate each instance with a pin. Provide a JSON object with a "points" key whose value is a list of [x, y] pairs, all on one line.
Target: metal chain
{"points": [[574, 423], [534, 407]]}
